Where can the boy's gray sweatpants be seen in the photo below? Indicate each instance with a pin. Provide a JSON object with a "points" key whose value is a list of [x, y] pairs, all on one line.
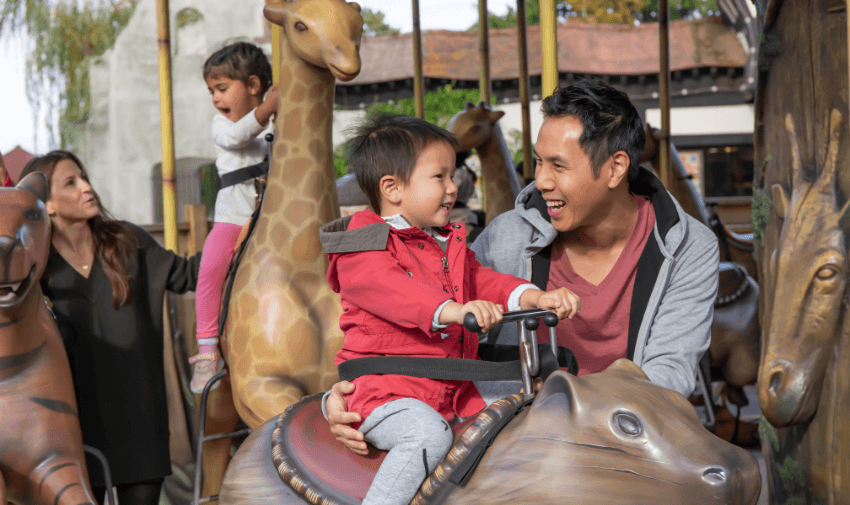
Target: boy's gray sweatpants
{"points": [[417, 438]]}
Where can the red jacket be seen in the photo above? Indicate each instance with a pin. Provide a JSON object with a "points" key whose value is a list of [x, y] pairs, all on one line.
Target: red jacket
{"points": [[391, 283]]}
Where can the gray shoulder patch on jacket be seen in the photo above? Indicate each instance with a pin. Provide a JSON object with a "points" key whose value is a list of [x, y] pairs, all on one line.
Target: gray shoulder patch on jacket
{"points": [[336, 238]]}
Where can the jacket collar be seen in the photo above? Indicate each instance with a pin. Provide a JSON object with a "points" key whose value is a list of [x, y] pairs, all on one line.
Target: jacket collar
{"points": [[367, 231]]}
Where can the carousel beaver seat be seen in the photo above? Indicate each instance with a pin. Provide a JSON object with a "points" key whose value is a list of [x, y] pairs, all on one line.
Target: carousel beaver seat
{"points": [[606, 438], [41, 449]]}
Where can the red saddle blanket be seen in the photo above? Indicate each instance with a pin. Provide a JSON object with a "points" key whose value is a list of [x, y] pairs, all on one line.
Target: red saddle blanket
{"points": [[311, 460]]}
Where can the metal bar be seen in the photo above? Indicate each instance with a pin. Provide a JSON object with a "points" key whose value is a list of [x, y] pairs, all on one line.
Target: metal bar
{"points": [[166, 118], [664, 91], [527, 385], [418, 81], [549, 46], [522, 47], [202, 426], [484, 52], [233, 434]]}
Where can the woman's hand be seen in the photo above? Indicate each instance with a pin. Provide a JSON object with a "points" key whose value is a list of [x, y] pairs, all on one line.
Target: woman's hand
{"points": [[340, 420]]}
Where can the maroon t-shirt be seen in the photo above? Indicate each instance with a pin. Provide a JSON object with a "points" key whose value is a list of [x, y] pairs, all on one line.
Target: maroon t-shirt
{"points": [[598, 335]]}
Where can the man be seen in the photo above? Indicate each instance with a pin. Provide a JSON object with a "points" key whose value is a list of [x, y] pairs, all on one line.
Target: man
{"points": [[605, 228]]}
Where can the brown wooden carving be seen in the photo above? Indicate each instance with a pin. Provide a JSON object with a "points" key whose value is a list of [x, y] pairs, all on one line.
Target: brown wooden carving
{"points": [[41, 448], [477, 127], [606, 438]]}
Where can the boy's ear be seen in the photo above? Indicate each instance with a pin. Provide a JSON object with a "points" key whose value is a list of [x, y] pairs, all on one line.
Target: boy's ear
{"points": [[619, 169], [390, 189], [254, 86]]}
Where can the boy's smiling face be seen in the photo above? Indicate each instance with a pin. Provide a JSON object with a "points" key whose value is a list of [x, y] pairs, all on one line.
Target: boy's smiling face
{"points": [[428, 196]]}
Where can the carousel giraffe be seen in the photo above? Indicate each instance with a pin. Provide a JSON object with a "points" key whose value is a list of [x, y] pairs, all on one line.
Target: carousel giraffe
{"points": [[283, 320], [476, 127]]}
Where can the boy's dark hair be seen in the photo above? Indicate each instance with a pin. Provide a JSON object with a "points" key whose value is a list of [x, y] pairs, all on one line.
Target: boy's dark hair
{"points": [[240, 61], [390, 144], [610, 121]]}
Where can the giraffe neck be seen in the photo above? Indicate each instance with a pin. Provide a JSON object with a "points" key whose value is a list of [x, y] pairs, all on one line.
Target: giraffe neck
{"points": [[301, 189]]}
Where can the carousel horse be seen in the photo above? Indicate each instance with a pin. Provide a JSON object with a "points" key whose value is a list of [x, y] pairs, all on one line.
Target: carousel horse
{"points": [[806, 316], [476, 127], [282, 328], [735, 330], [41, 447], [606, 438]]}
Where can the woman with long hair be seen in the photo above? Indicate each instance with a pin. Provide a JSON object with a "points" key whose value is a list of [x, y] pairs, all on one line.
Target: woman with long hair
{"points": [[106, 280]]}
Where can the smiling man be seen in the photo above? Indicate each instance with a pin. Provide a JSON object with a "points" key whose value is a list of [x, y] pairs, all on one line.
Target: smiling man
{"points": [[605, 228]]}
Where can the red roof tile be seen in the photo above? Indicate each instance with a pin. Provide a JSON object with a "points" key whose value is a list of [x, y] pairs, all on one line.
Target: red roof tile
{"points": [[584, 48]]}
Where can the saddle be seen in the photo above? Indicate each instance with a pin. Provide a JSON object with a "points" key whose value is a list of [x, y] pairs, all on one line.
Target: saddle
{"points": [[733, 283], [314, 465]]}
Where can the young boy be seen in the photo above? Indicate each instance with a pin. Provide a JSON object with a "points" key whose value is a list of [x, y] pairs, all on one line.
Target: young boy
{"points": [[407, 279]]}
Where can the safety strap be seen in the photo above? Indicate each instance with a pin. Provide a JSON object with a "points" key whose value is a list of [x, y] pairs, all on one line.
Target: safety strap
{"points": [[497, 368], [245, 173]]}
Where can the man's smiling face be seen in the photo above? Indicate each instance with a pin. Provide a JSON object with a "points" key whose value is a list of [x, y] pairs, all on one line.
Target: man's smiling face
{"points": [[564, 176]]}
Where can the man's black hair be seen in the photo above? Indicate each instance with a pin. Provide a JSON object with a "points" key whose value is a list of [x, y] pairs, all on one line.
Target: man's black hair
{"points": [[390, 144], [610, 121]]}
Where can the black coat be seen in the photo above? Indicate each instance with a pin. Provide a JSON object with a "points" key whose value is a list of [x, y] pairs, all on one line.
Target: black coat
{"points": [[117, 359]]}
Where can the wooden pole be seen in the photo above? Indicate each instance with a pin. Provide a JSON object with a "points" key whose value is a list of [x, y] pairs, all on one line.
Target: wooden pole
{"points": [[664, 91], [549, 41], [418, 81], [169, 200], [484, 52], [522, 48]]}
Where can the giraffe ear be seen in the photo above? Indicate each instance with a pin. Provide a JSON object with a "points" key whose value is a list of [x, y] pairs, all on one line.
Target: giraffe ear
{"points": [[355, 6], [468, 106], [495, 115], [780, 200], [277, 12]]}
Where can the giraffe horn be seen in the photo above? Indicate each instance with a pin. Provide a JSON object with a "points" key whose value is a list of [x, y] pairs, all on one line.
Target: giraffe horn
{"points": [[826, 180], [798, 182]]}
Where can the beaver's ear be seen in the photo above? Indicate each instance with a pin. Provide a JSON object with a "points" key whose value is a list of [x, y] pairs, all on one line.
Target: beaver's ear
{"points": [[625, 369], [35, 183], [556, 398]]}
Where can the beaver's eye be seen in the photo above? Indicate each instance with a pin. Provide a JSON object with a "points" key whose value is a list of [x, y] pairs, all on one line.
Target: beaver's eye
{"points": [[827, 272], [301, 27], [32, 214], [628, 423]]}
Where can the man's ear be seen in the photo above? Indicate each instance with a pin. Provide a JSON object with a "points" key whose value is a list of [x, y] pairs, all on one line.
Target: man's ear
{"points": [[619, 169], [390, 188]]}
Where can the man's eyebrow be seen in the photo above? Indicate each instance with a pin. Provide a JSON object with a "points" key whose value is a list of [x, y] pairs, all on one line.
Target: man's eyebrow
{"points": [[555, 157]]}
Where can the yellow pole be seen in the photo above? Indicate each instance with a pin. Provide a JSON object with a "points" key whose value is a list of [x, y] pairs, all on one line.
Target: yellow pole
{"points": [[418, 80], [169, 200], [549, 41], [664, 92], [277, 33], [522, 46], [484, 52]]}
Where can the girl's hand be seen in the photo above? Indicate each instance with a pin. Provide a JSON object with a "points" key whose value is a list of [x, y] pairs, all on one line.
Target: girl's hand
{"points": [[563, 302], [488, 314]]}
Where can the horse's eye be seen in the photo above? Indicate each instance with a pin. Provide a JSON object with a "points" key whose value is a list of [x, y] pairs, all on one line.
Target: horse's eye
{"points": [[826, 272], [628, 423], [32, 214], [301, 27]]}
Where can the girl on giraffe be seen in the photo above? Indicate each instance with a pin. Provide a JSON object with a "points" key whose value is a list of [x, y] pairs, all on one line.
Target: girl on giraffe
{"points": [[237, 76]]}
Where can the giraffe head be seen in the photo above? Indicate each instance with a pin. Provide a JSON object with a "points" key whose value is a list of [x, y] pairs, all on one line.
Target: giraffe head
{"points": [[810, 270], [473, 125], [325, 33]]}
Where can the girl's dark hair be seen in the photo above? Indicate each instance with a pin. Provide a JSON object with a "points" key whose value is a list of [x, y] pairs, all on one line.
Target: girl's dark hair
{"points": [[240, 61], [114, 244], [609, 120], [390, 144]]}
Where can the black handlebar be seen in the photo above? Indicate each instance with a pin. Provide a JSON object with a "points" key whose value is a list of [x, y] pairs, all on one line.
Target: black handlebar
{"points": [[530, 319]]}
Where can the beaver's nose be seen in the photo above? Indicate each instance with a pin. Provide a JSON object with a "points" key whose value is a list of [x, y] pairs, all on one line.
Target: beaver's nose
{"points": [[7, 245], [715, 475]]}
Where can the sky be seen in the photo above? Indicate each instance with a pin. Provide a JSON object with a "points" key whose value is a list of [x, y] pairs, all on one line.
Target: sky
{"points": [[17, 125]]}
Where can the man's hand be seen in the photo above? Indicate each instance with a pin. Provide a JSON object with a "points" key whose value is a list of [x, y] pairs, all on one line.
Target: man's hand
{"points": [[340, 420], [561, 301]]}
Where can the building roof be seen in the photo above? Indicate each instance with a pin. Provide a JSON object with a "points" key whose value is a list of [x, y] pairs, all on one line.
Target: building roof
{"points": [[15, 161], [583, 48]]}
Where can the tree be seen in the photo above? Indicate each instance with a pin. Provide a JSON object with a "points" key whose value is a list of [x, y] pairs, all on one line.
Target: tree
{"points": [[373, 24], [66, 37]]}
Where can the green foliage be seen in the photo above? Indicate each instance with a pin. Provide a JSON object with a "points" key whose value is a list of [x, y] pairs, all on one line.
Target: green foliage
{"points": [[373, 24], [440, 105], [340, 161], [209, 188], [682, 9], [66, 36], [768, 432], [188, 16], [762, 205]]}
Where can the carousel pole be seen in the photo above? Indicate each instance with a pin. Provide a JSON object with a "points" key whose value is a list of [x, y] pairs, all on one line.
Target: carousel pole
{"points": [[418, 92], [522, 47], [664, 92], [484, 52], [169, 200], [549, 41]]}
